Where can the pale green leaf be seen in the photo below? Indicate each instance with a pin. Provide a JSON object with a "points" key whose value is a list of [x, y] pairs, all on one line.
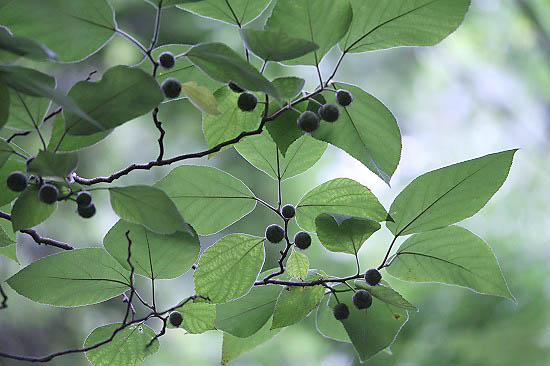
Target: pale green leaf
{"points": [[71, 278], [198, 317], [385, 293], [297, 265], [5, 152], [70, 142], [29, 210], [344, 233], [288, 87], [276, 45], [200, 97], [327, 325], [237, 12], [227, 270], [10, 252]]}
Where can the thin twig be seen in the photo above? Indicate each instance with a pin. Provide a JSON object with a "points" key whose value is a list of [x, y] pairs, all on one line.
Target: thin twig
{"points": [[131, 279], [4, 303], [22, 133]]}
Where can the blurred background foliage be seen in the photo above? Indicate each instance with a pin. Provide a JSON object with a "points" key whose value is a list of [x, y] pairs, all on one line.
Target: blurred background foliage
{"points": [[484, 89]]}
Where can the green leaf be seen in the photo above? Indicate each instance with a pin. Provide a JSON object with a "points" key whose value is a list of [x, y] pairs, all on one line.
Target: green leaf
{"points": [[341, 196], [233, 347], [448, 195], [366, 130], [385, 293], [49, 164], [72, 29], [344, 234], [10, 252], [288, 87], [210, 199], [5, 239], [129, 347], [284, 130], [12, 164], [69, 142], [452, 255], [262, 152], [295, 304], [237, 12], [227, 270], [371, 330], [5, 152], [25, 47], [183, 70], [71, 278], [223, 64], [323, 22], [123, 94], [167, 3], [4, 104], [377, 25], [198, 317], [327, 325], [297, 265], [276, 45], [147, 206], [231, 121], [200, 97], [27, 112], [29, 211], [155, 256], [247, 315]]}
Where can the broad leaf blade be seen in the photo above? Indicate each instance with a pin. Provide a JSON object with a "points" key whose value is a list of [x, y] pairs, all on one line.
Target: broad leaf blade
{"points": [[385, 293], [276, 45], [210, 199], [451, 255], [155, 256], [29, 210], [49, 164], [200, 97], [341, 196], [346, 235], [227, 270], [4, 104], [72, 278], [13, 163], [25, 47], [198, 317], [70, 142], [147, 206], [448, 195], [297, 265], [237, 12], [288, 87]]}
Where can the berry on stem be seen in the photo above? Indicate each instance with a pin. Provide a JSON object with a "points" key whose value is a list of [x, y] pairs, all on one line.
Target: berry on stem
{"points": [[48, 193], [362, 299], [373, 277], [17, 181], [288, 211], [247, 102], [344, 97], [176, 319], [171, 88], [274, 233], [302, 240], [308, 121], [341, 311], [329, 112], [86, 211], [167, 60], [83, 198]]}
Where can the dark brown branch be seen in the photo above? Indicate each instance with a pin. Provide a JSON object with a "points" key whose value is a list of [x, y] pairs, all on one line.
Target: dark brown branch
{"points": [[131, 279], [283, 253], [37, 238], [4, 303], [158, 125], [320, 281], [22, 133]]}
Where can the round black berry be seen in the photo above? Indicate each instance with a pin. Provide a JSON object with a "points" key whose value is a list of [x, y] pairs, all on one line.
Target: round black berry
{"points": [[171, 88], [176, 318], [235, 87], [17, 181], [48, 193], [344, 97], [86, 211], [288, 211], [341, 311], [329, 112], [167, 60], [83, 198], [308, 121], [274, 233], [302, 240], [362, 299], [247, 102], [373, 277]]}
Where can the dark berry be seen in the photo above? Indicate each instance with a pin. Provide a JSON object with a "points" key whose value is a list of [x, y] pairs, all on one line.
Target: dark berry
{"points": [[288, 211], [235, 87], [341, 311], [176, 319], [373, 277], [308, 121], [329, 112], [274, 233], [17, 181], [362, 299], [167, 60], [302, 240], [344, 97], [83, 198], [171, 88], [247, 102], [48, 193], [86, 211]]}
